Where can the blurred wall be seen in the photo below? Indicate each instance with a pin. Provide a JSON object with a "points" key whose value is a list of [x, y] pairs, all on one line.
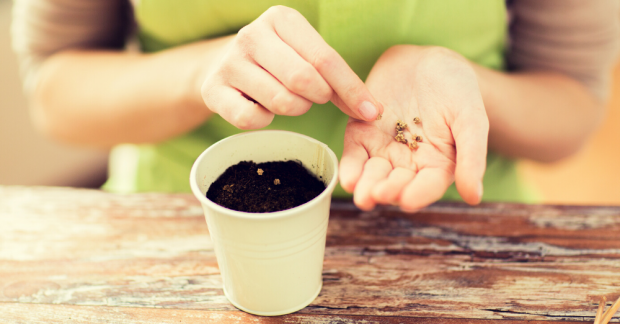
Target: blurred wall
{"points": [[27, 158]]}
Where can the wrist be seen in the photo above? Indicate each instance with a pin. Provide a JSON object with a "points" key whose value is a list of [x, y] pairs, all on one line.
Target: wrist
{"points": [[486, 78]]}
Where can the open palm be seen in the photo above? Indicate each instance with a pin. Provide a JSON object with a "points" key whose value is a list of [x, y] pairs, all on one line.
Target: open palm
{"points": [[440, 88]]}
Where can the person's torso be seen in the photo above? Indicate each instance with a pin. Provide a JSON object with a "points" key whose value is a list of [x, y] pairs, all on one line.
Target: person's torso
{"points": [[360, 30]]}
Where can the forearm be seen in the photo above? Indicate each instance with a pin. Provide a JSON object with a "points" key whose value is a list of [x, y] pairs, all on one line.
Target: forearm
{"points": [[102, 98], [543, 116]]}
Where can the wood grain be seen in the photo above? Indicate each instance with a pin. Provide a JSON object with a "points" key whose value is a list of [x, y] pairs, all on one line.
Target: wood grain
{"points": [[44, 314], [64, 249]]}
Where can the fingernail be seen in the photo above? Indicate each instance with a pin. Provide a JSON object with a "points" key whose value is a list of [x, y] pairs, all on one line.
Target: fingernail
{"points": [[368, 110], [480, 190]]}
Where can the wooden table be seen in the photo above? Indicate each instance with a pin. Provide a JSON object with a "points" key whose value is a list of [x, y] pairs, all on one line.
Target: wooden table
{"points": [[84, 256]]}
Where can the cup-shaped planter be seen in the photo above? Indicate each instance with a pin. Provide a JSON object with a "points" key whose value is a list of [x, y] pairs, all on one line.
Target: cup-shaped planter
{"points": [[271, 263]]}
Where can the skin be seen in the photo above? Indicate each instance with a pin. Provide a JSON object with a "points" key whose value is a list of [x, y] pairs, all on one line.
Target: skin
{"points": [[102, 98], [410, 82], [305, 70], [278, 60]]}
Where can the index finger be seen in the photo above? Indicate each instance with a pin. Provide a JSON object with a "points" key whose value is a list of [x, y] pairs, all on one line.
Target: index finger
{"points": [[297, 32]]}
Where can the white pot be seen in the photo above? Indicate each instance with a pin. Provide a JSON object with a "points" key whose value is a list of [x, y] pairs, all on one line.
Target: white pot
{"points": [[271, 263]]}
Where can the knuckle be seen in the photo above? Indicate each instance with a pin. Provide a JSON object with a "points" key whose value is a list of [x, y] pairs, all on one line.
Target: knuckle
{"points": [[300, 79], [245, 33], [221, 76], [296, 106], [325, 94], [244, 119], [274, 10], [281, 11], [280, 103], [288, 104], [225, 71], [246, 40], [323, 59]]}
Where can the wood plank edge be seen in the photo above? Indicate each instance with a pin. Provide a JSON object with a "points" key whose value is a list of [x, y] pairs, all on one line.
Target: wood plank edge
{"points": [[49, 313]]}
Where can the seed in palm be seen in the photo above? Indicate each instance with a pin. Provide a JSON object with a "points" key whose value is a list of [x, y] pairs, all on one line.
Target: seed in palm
{"points": [[400, 137], [379, 116], [400, 126], [413, 145], [417, 138], [416, 120]]}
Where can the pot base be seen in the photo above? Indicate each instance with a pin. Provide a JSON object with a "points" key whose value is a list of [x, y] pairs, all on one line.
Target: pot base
{"points": [[278, 313]]}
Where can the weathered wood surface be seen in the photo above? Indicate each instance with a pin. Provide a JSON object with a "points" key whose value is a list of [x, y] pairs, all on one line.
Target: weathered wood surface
{"points": [[86, 252], [45, 313]]}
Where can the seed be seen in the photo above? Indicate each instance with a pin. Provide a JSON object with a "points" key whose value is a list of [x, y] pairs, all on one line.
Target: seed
{"points": [[276, 182], [400, 137], [400, 126], [379, 116], [260, 171], [416, 120], [417, 138], [413, 145]]}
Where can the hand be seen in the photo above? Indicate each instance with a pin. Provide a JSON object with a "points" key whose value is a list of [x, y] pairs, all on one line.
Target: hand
{"points": [[279, 64], [439, 87]]}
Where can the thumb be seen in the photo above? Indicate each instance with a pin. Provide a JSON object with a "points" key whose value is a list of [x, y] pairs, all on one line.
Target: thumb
{"points": [[471, 132]]}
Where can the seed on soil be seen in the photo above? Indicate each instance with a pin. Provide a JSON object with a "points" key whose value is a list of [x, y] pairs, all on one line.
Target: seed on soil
{"points": [[413, 145], [260, 171], [276, 182], [417, 138], [400, 126], [241, 188], [416, 120]]}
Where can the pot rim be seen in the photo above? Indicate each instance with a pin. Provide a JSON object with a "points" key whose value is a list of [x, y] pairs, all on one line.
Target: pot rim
{"points": [[262, 216]]}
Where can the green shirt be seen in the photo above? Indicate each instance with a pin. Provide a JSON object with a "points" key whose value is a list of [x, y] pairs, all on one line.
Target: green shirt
{"points": [[360, 30]]}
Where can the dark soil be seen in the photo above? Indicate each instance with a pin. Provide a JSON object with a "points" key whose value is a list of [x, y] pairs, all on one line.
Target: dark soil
{"points": [[241, 187]]}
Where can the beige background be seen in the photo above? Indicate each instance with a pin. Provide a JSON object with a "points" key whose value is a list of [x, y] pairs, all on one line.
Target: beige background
{"points": [[26, 158]]}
